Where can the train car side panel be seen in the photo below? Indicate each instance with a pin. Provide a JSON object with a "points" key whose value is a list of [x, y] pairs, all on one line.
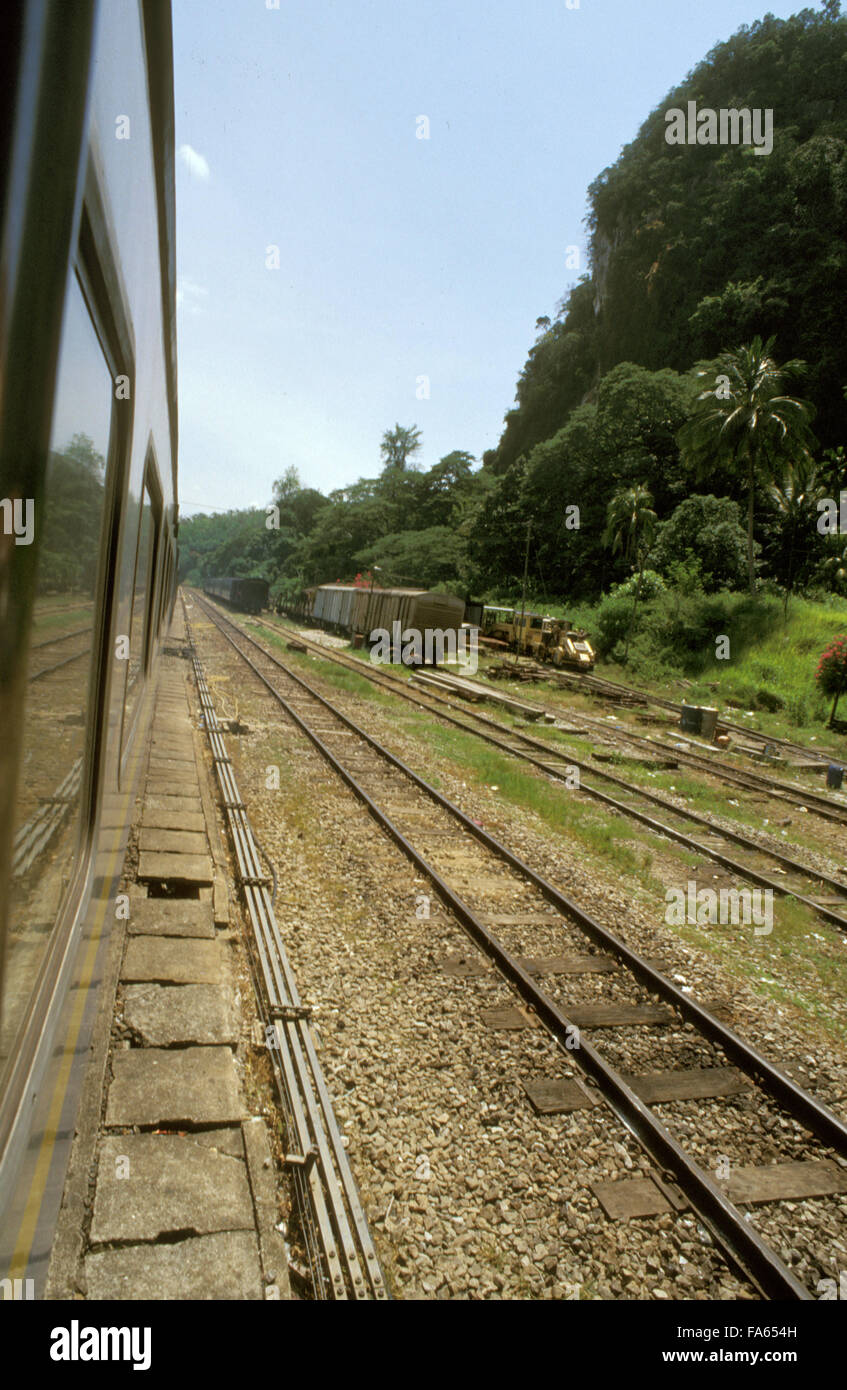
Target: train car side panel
{"points": [[112, 454]]}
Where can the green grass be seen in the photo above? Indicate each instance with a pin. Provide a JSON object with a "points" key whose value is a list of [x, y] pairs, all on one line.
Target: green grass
{"points": [[801, 964], [307, 666], [700, 794], [769, 656], [608, 839], [69, 618], [798, 963], [779, 659]]}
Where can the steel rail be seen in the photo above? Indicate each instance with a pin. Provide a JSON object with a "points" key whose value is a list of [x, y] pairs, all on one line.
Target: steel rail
{"points": [[62, 637], [616, 687], [320, 1163], [39, 613], [57, 665], [723, 1219], [660, 827], [794, 794], [286, 1010], [828, 914], [819, 1119], [33, 838], [788, 793], [743, 776]]}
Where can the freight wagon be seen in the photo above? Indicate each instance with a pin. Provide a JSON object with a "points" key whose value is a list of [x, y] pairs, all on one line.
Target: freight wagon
{"points": [[247, 595], [351, 609]]}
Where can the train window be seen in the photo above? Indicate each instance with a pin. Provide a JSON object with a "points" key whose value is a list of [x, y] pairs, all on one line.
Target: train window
{"points": [[166, 589], [160, 604], [51, 813], [140, 615]]}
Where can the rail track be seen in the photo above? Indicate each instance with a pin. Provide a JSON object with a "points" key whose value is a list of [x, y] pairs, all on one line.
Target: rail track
{"points": [[61, 637], [33, 838], [58, 665], [477, 877], [791, 793], [54, 642], [71, 607], [340, 1250], [825, 895], [602, 686]]}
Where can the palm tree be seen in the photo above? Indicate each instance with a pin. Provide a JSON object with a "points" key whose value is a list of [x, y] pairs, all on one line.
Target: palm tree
{"points": [[744, 419], [631, 527], [833, 569], [795, 494], [398, 445]]}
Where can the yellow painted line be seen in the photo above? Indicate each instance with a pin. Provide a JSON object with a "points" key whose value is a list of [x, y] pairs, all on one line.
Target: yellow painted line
{"points": [[32, 1208]]}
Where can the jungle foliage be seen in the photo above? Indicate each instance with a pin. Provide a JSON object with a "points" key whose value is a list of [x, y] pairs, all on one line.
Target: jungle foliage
{"points": [[706, 262]]}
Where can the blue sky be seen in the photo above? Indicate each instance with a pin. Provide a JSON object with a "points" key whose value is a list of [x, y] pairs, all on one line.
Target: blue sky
{"points": [[399, 257]]}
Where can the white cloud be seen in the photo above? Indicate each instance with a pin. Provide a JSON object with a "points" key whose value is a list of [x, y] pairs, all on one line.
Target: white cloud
{"points": [[190, 296], [194, 163]]}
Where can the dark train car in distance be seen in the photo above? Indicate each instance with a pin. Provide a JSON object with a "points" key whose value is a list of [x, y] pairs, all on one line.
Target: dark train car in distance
{"points": [[247, 595]]}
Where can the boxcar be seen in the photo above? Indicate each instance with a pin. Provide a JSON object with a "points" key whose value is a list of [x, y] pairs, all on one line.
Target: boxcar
{"points": [[435, 610], [246, 595], [350, 608]]}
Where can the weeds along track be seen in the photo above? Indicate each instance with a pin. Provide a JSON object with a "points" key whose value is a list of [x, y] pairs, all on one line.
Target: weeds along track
{"points": [[600, 686], [502, 903], [732, 850], [790, 792]]}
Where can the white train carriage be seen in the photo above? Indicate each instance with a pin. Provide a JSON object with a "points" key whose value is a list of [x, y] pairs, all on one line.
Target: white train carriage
{"points": [[88, 434]]}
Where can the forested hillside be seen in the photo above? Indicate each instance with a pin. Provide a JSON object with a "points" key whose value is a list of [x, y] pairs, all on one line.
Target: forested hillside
{"points": [[706, 263], [695, 248]]}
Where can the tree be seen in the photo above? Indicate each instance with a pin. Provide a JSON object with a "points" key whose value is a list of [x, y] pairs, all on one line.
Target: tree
{"points": [[831, 674], [833, 569], [70, 540], [398, 445], [443, 491], [558, 372], [708, 530], [630, 528], [496, 537], [743, 418], [431, 558], [794, 496], [297, 508], [693, 248]]}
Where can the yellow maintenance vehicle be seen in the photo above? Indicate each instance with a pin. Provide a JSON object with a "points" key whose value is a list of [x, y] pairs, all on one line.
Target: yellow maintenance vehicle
{"points": [[544, 639]]}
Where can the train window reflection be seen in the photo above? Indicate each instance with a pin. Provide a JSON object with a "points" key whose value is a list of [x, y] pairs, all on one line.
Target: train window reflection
{"points": [[144, 568], [51, 781]]}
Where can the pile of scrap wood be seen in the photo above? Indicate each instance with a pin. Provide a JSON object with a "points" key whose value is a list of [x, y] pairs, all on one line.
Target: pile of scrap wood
{"points": [[571, 680], [510, 671], [474, 691]]}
